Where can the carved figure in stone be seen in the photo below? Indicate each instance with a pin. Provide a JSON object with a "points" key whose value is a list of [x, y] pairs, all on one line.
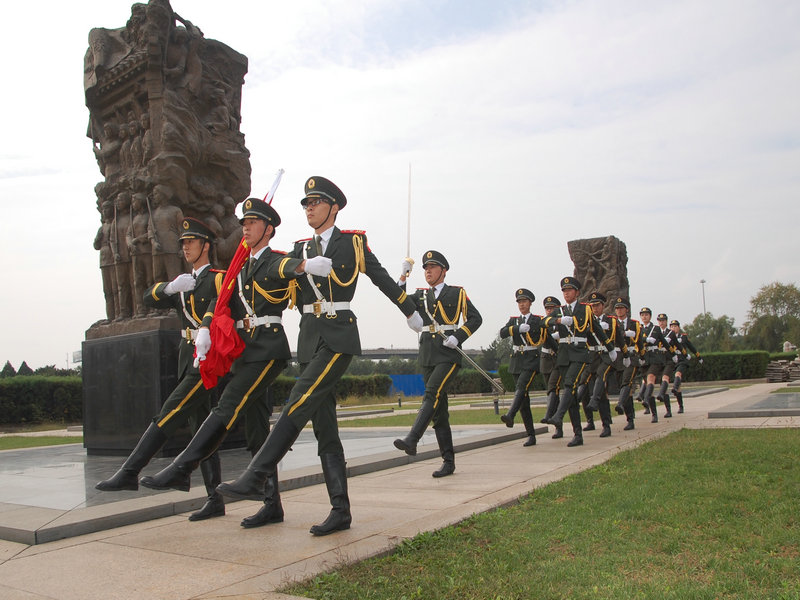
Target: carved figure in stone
{"points": [[107, 152], [122, 257], [147, 139], [141, 251], [125, 158], [102, 242], [230, 230], [135, 134], [601, 266], [164, 232]]}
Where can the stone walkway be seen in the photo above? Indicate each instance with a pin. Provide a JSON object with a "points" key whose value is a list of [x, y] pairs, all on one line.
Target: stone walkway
{"points": [[171, 558]]}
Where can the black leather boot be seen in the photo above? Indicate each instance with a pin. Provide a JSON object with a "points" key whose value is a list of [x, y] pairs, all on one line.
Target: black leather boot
{"points": [[272, 510], [178, 474], [667, 407], [629, 426], [662, 391], [652, 403], [623, 396], [676, 386], [563, 406], [527, 420], [335, 471], [597, 393], [552, 406], [250, 484], [508, 418], [577, 440], [212, 477], [127, 477], [409, 443], [445, 438], [679, 398]]}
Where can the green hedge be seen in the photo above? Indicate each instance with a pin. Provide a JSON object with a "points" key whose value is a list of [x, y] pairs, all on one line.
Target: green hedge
{"points": [[720, 366], [508, 380], [37, 398], [783, 355], [349, 385]]}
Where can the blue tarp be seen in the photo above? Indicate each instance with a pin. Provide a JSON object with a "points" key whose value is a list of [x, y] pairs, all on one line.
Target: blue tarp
{"points": [[408, 385]]}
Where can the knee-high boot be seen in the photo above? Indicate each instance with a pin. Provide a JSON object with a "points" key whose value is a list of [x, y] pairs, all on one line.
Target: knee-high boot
{"points": [[334, 469], [212, 477], [651, 403], [444, 436], [676, 385], [527, 420], [250, 484], [272, 510], [552, 405], [624, 392], [408, 444], [127, 477], [679, 398], [597, 393], [508, 418], [178, 474], [662, 390]]}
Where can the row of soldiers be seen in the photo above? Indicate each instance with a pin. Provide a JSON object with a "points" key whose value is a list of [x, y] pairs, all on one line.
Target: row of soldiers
{"points": [[577, 349]]}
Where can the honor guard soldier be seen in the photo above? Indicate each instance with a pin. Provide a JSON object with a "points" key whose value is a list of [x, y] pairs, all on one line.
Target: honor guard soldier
{"points": [[256, 307], [575, 322], [673, 352], [327, 342], [599, 396], [547, 361], [449, 318], [635, 343], [687, 350], [191, 294], [655, 358], [527, 335]]}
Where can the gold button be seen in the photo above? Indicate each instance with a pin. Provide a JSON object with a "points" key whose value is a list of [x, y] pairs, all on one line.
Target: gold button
{"points": [[247, 287], [319, 285]]}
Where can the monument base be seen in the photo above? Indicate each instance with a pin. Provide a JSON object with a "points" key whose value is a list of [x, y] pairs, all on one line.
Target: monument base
{"points": [[126, 380]]}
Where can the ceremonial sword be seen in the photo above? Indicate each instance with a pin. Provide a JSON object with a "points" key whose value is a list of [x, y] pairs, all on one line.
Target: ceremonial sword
{"points": [[498, 389]]}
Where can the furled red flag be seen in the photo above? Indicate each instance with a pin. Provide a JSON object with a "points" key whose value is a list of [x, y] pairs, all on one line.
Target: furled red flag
{"points": [[226, 345]]}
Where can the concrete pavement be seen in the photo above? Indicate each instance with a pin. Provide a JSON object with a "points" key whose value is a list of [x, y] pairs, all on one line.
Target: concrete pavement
{"points": [[172, 558]]}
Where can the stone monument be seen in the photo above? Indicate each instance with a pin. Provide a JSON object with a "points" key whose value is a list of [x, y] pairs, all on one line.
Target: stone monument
{"points": [[601, 265], [164, 114]]}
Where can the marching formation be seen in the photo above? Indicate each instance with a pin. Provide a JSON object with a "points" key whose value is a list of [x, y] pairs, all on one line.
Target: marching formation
{"points": [[232, 321]]}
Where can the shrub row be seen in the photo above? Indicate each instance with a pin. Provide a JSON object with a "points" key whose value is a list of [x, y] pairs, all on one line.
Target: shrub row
{"points": [[720, 366], [37, 398]]}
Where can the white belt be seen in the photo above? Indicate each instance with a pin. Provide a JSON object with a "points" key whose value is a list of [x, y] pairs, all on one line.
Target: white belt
{"points": [[597, 348], [655, 349], [433, 328], [189, 333], [546, 351], [317, 308], [523, 348], [572, 340], [251, 322]]}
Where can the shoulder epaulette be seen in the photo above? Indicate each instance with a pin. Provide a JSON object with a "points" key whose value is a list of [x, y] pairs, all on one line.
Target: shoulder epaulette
{"points": [[218, 270], [513, 317], [308, 239], [458, 287], [423, 289], [540, 316], [278, 252], [356, 231], [633, 320]]}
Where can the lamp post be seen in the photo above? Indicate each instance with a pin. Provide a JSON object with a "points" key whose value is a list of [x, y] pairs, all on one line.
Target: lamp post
{"points": [[703, 287]]}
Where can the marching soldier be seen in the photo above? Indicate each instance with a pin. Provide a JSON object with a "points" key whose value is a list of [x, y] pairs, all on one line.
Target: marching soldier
{"points": [[673, 352], [635, 344], [687, 350], [547, 365], [655, 358], [575, 322], [256, 306], [527, 335], [604, 365], [327, 342], [190, 293], [449, 318]]}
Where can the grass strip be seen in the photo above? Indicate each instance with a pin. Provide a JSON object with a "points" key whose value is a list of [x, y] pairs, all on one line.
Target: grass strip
{"points": [[15, 442]]}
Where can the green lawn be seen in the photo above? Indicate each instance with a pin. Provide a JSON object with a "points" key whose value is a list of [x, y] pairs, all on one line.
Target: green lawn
{"points": [[13, 442], [696, 515]]}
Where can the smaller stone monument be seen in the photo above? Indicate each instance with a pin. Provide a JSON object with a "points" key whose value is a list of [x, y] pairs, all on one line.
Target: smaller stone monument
{"points": [[601, 265]]}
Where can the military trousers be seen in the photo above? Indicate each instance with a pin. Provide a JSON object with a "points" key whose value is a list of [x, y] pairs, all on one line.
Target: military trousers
{"points": [[189, 402], [437, 381]]}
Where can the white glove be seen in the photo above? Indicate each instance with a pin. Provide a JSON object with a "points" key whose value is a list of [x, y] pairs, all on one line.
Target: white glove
{"points": [[630, 334], [408, 263], [202, 345], [604, 325], [450, 342], [566, 321], [612, 354], [182, 283], [626, 362], [701, 361], [318, 265], [555, 335], [524, 328], [675, 359], [415, 322], [651, 340], [688, 356]]}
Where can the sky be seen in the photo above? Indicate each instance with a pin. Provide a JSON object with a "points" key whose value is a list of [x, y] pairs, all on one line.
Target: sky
{"points": [[674, 126]]}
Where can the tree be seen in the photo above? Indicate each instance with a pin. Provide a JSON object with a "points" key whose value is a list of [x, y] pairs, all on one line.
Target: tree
{"points": [[712, 335], [8, 371], [498, 352], [775, 299], [768, 332], [24, 369]]}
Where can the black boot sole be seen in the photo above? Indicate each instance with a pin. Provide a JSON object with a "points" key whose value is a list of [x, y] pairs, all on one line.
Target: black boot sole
{"points": [[402, 445]]}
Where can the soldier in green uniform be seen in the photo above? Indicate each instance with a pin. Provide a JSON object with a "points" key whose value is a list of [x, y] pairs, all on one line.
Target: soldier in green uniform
{"points": [[547, 364], [191, 294], [327, 342], [449, 318], [655, 357], [575, 322], [673, 352], [527, 335], [260, 297], [687, 350], [635, 343]]}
